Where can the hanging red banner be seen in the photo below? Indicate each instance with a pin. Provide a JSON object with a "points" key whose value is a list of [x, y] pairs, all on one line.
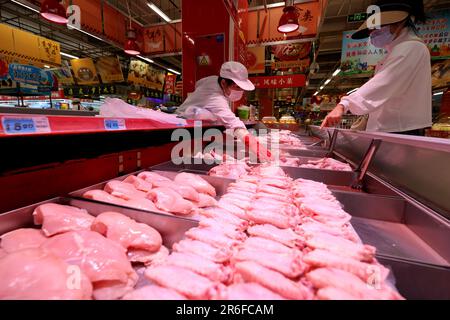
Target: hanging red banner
{"points": [[273, 82], [170, 84]]}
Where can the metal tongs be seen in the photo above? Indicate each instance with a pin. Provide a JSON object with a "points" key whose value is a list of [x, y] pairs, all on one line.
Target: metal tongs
{"points": [[364, 165], [333, 140]]}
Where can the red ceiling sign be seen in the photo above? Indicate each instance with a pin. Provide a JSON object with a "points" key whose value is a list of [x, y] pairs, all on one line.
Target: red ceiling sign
{"points": [[290, 81]]}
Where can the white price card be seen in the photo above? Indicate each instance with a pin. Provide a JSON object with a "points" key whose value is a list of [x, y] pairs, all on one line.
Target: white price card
{"points": [[115, 124], [25, 125]]}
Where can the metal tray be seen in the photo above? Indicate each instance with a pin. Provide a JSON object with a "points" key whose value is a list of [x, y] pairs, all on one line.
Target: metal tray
{"points": [[172, 228]]}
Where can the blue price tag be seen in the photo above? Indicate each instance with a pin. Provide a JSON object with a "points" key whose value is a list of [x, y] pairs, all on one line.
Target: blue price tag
{"points": [[115, 124], [18, 125]]}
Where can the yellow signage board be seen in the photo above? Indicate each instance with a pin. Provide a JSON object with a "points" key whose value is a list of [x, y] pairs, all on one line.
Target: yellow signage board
{"points": [[109, 69], [84, 71]]}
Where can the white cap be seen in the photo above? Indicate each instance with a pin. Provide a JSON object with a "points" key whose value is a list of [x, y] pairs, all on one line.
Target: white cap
{"points": [[238, 73]]}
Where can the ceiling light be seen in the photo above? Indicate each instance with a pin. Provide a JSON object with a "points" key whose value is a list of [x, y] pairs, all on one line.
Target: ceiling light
{"points": [[289, 20], [438, 93], [351, 91], [336, 72], [47, 67], [131, 47], [69, 55], [146, 59], [54, 11], [327, 82], [321, 88], [159, 12], [25, 6], [173, 71], [315, 94]]}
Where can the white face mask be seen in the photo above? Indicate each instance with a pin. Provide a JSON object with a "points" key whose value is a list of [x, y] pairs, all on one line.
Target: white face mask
{"points": [[235, 95], [382, 38]]}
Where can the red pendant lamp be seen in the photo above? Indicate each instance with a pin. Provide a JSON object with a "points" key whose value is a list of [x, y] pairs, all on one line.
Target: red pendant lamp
{"points": [[54, 11], [289, 20], [131, 46]]}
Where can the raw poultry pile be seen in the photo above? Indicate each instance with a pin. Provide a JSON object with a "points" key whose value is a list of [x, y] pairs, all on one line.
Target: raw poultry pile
{"points": [[284, 138], [272, 238], [153, 192], [327, 164], [76, 256]]}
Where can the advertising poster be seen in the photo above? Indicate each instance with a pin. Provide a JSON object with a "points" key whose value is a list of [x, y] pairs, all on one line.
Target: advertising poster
{"points": [[436, 34], [359, 56], [256, 60], [294, 57], [143, 74], [84, 71], [170, 84], [63, 75], [109, 69], [440, 74]]}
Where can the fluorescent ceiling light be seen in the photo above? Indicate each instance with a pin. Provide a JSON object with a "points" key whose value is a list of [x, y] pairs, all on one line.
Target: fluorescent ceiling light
{"points": [[173, 71], [146, 59], [351, 91], [87, 33], [321, 88], [336, 72], [47, 67], [68, 55], [327, 82], [315, 94], [438, 93], [159, 12], [25, 6]]}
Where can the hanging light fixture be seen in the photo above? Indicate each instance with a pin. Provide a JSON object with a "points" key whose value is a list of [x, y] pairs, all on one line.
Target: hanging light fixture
{"points": [[131, 46], [54, 11], [289, 20]]}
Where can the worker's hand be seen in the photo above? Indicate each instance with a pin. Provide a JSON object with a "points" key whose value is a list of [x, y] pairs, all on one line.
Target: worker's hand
{"points": [[257, 148], [334, 117]]}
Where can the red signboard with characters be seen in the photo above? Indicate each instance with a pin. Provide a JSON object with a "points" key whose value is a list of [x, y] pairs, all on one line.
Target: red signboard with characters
{"points": [[170, 84], [290, 81]]}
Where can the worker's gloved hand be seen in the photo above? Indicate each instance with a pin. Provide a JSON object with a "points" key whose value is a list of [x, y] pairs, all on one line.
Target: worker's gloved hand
{"points": [[257, 148]]}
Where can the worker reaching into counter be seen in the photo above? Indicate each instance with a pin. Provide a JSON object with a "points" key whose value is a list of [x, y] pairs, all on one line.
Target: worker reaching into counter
{"points": [[398, 99], [211, 101]]}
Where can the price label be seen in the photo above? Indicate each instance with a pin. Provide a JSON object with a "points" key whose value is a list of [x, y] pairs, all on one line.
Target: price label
{"points": [[115, 124], [16, 125]]}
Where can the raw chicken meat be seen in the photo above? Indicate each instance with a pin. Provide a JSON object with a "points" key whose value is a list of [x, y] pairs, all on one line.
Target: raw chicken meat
{"points": [[334, 294], [227, 229], [142, 204], [342, 247], [365, 271], [289, 162], [56, 219], [224, 216], [148, 258], [169, 200], [327, 164], [124, 190], [233, 209], [22, 239], [247, 291], [197, 182], [230, 170], [244, 186], [218, 255], [242, 204], [269, 217], [205, 201], [324, 212], [281, 183], [266, 244], [290, 265], [34, 274], [186, 191], [268, 171], [102, 260], [152, 177], [265, 204], [153, 293], [184, 281], [202, 266], [139, 184], [284, 236], [348, 282], [2, 253], [127, 232], [103, 196], [310, 227], [253, 272], [272, 190], [212, 237]]}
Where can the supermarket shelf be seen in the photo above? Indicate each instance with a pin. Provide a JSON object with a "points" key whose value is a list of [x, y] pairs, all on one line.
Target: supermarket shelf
{"points": [[13, 125]]}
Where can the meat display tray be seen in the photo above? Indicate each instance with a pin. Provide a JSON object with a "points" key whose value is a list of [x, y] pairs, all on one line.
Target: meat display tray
{"points": [[172, 228]]}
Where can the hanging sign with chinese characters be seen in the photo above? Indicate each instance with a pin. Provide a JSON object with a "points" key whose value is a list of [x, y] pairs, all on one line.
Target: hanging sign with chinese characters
{"points": [[359, 56], [290, 81]]}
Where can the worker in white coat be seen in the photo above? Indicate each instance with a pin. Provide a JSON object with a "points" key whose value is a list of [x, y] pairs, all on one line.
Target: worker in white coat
{"points": [[211, 101], [398, 99]]}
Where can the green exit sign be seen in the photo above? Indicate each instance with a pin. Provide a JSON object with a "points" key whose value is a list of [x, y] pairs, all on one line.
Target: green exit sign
{"points": [[357, 17]]}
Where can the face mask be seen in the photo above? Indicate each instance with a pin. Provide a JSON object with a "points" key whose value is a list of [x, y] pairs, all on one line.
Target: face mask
{"points": [[235, 95], [380, 38]]}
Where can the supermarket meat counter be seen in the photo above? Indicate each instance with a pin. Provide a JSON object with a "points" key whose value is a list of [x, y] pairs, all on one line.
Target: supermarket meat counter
{"points": [[375, 178]]}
